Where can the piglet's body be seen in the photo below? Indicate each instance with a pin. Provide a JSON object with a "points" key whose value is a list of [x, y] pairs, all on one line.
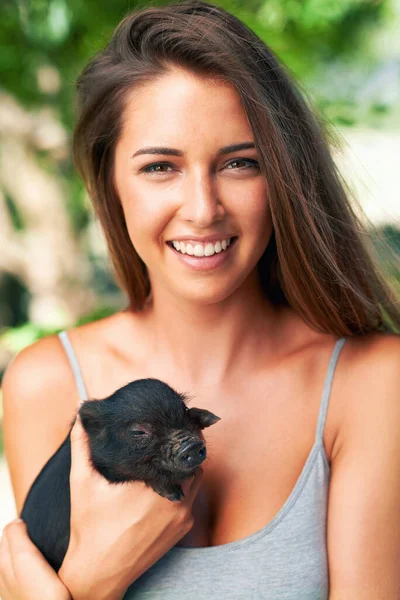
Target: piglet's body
{"points": [[142, 432]]}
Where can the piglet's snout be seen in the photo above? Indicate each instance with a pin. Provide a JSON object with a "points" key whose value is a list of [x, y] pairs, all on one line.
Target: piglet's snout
{"points": [[192, 454]]}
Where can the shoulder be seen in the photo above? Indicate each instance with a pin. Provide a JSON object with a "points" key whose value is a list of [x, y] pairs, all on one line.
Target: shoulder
{"points": [[370, 383], [110, 351], [39, 404], [40, 400], [35, 369]]}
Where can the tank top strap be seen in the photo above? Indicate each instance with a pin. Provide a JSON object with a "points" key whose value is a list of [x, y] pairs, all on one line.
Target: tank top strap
{"points": [[73, 361], [327, 387]]}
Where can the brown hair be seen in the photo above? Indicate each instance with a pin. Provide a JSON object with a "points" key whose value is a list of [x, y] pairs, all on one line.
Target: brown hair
{"points": [[319, 259]]}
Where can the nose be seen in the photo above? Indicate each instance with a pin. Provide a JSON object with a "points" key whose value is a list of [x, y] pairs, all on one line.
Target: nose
{"points": [[192, 453], [202, 205]]}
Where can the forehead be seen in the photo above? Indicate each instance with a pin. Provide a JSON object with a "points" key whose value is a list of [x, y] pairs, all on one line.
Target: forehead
{"points": [[184, 110], [153, 399], [161, 412]]}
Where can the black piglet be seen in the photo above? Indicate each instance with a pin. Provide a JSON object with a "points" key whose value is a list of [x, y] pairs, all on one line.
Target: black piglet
{"points": [[142, 432]]}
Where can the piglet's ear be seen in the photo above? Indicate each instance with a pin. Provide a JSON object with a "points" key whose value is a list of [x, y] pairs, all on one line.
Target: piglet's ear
{"points": [[202, 418], [92, 417]]}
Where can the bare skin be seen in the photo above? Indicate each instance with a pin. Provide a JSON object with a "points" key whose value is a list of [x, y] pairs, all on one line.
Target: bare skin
{"points": [[212, 334]]}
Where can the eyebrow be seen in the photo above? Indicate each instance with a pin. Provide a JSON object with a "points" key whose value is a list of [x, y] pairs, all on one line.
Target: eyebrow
{"points": [[175, 152]]}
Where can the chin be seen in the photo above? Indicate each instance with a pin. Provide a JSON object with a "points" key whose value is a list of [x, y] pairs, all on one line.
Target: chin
{"points": [[206, 298]]}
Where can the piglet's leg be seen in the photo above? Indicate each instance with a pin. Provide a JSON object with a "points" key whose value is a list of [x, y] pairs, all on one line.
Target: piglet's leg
{"points": [[172, 491]]}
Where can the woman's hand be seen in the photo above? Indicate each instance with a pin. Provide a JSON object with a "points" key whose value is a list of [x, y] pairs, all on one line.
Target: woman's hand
{"points": [[24, 572], [117, 530]]}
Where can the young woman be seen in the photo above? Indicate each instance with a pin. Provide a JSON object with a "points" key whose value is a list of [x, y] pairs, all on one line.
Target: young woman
{"points": [[251, 287]]}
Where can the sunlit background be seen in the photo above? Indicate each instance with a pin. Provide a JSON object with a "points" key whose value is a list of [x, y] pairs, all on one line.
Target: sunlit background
{"points": [[53, 269]]}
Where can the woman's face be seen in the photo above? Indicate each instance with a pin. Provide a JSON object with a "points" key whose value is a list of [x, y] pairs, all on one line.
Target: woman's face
{"points": [[189, 189]]}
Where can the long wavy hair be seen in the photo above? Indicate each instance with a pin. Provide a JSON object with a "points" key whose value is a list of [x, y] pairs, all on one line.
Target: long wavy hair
{"points": [[320, 259]]}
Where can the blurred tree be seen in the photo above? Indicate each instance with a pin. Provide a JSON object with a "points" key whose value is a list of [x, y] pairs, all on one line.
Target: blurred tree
{"points": [[38, 244]]}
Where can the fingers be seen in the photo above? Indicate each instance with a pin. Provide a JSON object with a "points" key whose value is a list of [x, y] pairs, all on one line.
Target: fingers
{"points": [[14, 543], [5, 545], [196, 483], [78, 434], [16, 539], [24, 571], [15, 534], [6, 568]]}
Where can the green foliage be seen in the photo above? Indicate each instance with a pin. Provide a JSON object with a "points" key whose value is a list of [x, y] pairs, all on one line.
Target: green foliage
{"points": [[16, 216], [99, 313], [17, 338], [77, 208], [63, 33], [317, 18], [386, 241], [391, 235]]}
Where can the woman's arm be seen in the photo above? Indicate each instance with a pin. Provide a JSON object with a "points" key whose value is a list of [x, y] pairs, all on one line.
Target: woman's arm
{"points": [[40, 400], [364, 499], [36, 418], [117, 531]]}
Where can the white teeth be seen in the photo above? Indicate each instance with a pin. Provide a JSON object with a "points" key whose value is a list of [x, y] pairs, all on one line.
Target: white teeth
{"points": [[217, 247], [201, 249]]}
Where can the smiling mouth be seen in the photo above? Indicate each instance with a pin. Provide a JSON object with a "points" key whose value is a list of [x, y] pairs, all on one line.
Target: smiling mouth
{"points": [[232, 242]]}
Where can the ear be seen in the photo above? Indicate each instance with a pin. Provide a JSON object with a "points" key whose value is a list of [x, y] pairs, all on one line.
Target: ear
{"points": [[92, 417], [202, 418]]}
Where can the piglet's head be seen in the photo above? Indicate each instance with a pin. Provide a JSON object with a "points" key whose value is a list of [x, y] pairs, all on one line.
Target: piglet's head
{"points": [[145, 430]]}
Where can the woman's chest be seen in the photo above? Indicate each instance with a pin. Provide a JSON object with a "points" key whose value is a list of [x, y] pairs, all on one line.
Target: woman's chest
{"points": [[257, 452]]}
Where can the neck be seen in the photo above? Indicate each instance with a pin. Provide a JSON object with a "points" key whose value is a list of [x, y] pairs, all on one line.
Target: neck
{"points": [[204, 343]]}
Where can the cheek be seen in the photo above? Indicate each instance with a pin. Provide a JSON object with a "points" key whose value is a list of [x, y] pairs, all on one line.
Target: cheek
{"points": [[252, 209], [261, 205], [145, 220]]}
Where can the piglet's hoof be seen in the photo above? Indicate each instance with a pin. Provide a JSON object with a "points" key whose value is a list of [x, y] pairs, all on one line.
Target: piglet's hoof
{"points": [[173, 493]]}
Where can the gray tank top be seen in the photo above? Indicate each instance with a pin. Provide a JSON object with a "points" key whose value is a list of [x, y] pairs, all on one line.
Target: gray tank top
{"points": [[285, 560]]}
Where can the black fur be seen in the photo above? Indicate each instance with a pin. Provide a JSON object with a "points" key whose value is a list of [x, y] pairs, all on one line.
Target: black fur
{"points": [[142, 432]]}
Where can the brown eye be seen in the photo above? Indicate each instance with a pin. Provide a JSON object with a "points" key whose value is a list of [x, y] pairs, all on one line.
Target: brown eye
{"points": [[152, 168], [138, 432], [253, 163]]}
